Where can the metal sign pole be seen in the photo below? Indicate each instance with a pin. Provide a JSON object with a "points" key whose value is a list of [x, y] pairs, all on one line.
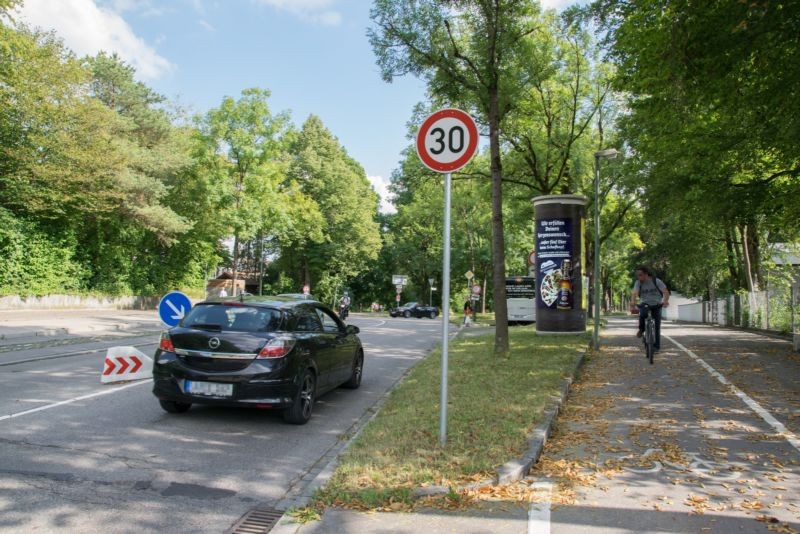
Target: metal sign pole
{"points": [[445, 312]]}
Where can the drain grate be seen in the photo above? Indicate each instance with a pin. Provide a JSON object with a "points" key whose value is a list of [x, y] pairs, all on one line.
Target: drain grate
{"points": [[257, 521]]}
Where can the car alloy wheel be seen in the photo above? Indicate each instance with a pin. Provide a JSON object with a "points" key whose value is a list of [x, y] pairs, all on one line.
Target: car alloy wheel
{"points": [[299, 412], [307, 396], [358, 371], [407, 314]]}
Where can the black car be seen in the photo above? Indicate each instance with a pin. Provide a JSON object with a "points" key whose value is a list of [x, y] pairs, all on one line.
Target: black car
{"points": [[414, 309], [262, 352]]}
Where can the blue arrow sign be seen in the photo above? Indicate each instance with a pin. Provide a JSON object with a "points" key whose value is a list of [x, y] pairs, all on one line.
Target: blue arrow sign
{"points": [[173, 307]]}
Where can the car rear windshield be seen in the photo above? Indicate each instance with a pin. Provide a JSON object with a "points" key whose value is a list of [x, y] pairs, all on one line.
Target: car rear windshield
{"points": [[240, 318]]}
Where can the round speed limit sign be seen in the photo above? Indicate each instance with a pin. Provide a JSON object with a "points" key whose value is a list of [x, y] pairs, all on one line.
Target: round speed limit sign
{"points": [[447, 140]]}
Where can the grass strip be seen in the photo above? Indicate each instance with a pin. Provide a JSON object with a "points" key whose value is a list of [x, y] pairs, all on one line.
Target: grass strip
{"points": [[493, 404]]}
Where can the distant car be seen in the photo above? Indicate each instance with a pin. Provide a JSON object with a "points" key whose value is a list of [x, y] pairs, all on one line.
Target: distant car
{"points": [[414, 309], [263, 352], [298, 296]]}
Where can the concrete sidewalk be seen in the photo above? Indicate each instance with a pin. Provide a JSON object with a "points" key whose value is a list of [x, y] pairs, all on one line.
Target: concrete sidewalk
{"points": [[21, 326], [704, 440], [661, 448]]}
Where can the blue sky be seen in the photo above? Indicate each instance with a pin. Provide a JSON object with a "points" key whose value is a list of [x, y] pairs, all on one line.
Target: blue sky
{"points": [[312, 54]]}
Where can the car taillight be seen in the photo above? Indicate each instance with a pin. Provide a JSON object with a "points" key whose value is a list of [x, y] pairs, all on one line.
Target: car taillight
{"points": [[277, 348], [166, 343]]}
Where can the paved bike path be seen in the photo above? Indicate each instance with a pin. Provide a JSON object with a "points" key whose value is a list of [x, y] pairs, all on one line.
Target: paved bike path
{"points": [[692, 443]]}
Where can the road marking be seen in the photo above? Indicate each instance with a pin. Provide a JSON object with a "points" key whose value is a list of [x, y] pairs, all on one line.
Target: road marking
{"points": [[768, 418], [73, 353], [76, 399], [539, 512]]}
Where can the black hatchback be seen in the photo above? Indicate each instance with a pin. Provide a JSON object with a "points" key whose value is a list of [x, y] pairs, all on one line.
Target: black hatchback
{"points": [[262, 352]]}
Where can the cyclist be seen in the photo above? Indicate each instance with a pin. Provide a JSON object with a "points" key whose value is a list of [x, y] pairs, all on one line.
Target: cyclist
{"points": [[652, 292]]}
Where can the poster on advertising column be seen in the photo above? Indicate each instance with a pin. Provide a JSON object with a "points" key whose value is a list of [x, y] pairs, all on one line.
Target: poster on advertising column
{"points": [[555, 264]]}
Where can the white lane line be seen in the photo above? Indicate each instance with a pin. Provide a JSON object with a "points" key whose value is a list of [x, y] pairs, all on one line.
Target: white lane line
{"points": [[768, 418], [539, 512], [76, 399]]}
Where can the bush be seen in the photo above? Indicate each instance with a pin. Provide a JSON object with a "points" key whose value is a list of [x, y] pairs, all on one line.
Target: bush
{"points": [[33, 263]]}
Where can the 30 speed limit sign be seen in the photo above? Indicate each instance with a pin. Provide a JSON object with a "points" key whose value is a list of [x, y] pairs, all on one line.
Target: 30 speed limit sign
{"points": [[447, 140]]}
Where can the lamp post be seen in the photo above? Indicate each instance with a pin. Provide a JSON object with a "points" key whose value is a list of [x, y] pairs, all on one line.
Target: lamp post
{"points": [[608, 153], [430, 285]]}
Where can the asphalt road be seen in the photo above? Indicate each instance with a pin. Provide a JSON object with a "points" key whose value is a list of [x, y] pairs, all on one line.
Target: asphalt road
{"points": [[78, 456]]}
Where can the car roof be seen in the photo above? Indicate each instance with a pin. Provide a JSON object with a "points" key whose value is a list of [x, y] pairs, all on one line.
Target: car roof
{"points": [[279, 302]]}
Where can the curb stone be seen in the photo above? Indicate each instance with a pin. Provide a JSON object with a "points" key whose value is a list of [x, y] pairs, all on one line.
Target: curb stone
{"points": [[300, 495], [517, 469]]}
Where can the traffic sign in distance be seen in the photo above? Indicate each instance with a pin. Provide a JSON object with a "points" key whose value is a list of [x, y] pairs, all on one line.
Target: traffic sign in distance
{"points": [[476, 289], [447, 140], [399, 279], [469, 275], [173, 307], [532, 258]]}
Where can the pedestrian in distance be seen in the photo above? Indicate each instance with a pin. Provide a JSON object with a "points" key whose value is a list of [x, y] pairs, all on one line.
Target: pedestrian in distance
{"points": [[467, 313], [223, 292], [653, 292]]}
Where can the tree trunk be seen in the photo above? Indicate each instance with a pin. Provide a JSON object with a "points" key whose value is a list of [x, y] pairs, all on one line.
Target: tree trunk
{"points": [[501, 345], [754, 252], [732, 267], [747, 263], [235, 262]]}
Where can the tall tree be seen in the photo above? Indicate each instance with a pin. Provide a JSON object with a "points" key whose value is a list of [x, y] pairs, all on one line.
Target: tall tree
{"points": [[471, 53], [348, 238], [712, 115], [250, 141]]}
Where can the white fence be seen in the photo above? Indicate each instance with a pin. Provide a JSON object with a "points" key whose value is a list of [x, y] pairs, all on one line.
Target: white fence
{"points": [[775, 310]]}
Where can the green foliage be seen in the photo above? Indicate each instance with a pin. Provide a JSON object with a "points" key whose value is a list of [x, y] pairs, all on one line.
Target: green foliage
{"points": [[713, 129], [338, 237], [101, 190], [34, 263]]}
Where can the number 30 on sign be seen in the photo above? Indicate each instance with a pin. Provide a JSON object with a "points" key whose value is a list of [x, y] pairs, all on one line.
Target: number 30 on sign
{"points": [[447, 140]]}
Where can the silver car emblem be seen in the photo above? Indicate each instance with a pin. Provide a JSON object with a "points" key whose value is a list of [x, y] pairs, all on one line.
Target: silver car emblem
{"points": [[213, 342]]}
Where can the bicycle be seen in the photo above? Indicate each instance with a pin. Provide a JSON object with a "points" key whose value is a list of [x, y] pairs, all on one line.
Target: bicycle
{"points": [[649, 335]]}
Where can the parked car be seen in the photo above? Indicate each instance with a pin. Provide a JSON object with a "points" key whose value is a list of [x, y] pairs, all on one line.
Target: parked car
{"points": [[263, 352], [414, 309]]}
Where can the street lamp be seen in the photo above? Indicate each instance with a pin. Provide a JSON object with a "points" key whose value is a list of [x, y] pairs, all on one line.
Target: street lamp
{"points": [[608, 153]]}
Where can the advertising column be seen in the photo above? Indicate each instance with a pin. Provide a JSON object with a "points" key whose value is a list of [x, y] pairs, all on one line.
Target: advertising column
{"points": [[560, 296]]}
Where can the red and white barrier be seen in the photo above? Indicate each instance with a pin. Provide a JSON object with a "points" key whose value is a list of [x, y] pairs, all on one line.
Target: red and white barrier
{"points": [[125, 363]]}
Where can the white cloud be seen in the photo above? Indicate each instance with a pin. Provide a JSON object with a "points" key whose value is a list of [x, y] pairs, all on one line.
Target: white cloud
{"points": [[207, 25], [381, 186], [88, 28], [315, 11]]}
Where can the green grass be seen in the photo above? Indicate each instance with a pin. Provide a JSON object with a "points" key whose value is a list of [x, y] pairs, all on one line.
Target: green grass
{"points": [[493, 404]]}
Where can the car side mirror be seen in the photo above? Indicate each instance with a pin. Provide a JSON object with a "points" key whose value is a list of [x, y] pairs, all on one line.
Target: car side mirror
{"points": [[352, 329]]}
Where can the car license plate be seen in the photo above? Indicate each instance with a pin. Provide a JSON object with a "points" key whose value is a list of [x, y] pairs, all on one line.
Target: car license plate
{"points": [[212, 389]]}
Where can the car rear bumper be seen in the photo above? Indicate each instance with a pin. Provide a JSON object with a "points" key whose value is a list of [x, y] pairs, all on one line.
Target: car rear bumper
{"points": [[250, 388]]}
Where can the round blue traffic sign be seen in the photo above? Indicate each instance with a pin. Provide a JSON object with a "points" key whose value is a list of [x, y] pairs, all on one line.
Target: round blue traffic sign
{"points": [[173, 307]]}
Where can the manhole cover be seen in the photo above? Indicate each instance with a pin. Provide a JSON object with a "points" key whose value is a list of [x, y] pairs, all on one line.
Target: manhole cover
{"points": [[257, 521]]}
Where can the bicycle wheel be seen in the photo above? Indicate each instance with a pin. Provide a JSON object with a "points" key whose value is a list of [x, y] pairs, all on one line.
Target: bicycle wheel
{"points": [[651, 340]]}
